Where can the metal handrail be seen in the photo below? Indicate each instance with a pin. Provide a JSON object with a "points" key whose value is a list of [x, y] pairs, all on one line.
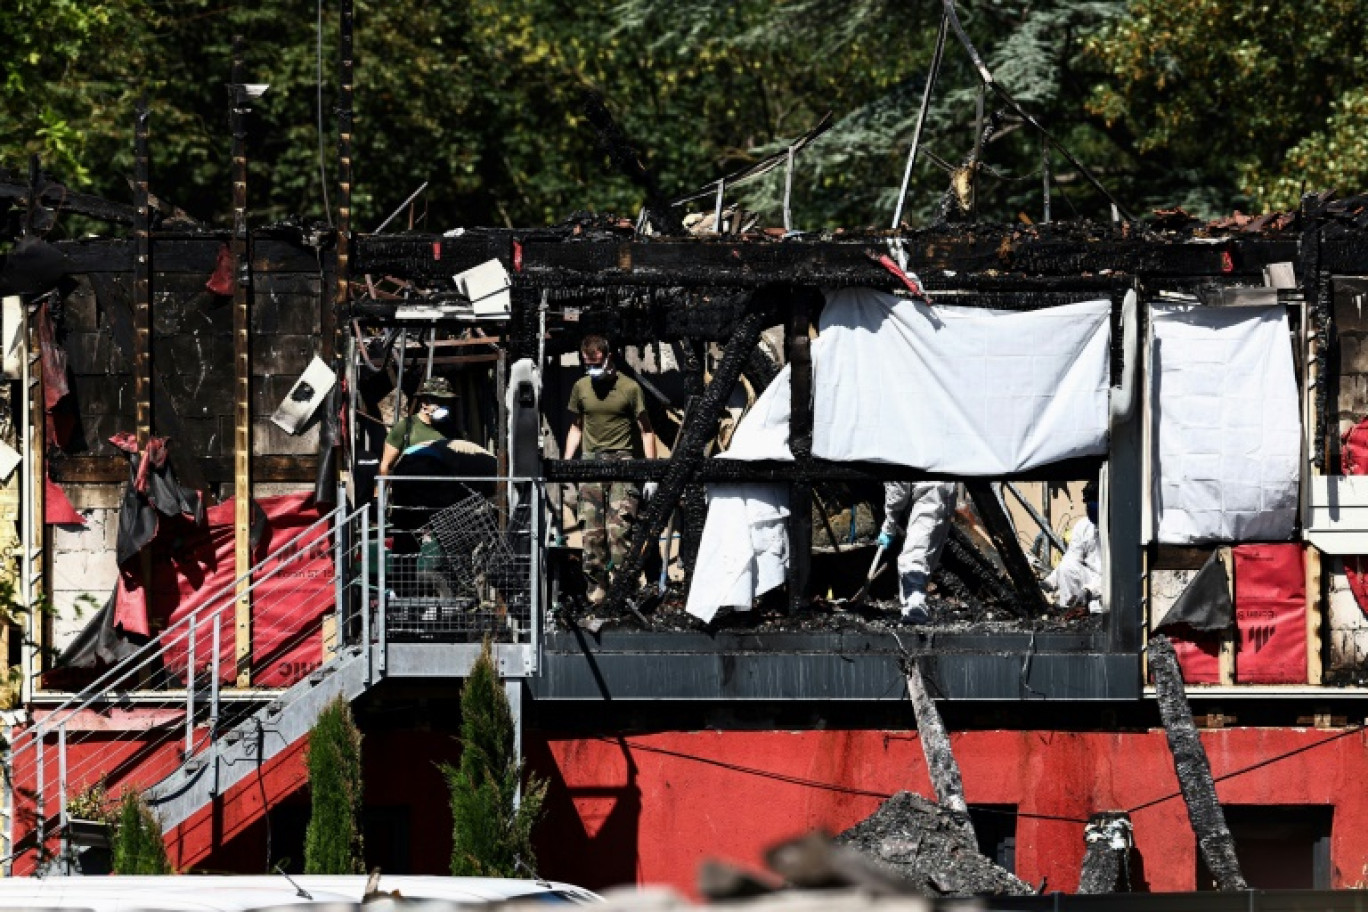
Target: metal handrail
{"points": [[140, 658], [185, 635]]}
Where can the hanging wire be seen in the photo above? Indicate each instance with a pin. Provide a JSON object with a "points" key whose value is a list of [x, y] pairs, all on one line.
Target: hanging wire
{"points": [[322, 161], [921, 118]]}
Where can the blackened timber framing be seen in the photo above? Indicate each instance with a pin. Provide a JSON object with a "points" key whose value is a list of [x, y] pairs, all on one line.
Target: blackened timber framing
{"points": [[577, 471], [699, 428], [999, 528], [799, 345]]}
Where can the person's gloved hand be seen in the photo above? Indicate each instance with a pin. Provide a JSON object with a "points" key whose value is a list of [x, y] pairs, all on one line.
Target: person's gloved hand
{"points": [[885, 540], [648, 489]]}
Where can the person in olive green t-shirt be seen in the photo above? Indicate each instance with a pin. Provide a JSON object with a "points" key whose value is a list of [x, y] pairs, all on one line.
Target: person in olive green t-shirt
{"points": [[605, 406], [434, 400]]}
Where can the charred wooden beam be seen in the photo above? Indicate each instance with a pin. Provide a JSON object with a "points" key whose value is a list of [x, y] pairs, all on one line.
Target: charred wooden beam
{"points": [[576, 471], [799, 345], [625, 157], [1194, 771], [935, 744], [977, 257], [58, 198], [114, 469], [999, 528], [1106, 860], [688, 454], [142, 275]]}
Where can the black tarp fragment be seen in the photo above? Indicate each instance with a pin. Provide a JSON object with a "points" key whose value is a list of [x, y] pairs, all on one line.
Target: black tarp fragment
{"points": [[1205, 604]]}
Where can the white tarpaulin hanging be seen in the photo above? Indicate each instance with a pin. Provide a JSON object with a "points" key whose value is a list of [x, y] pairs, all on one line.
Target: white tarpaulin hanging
{"points": [[961, 390], [1226, 424], [743, 552]]}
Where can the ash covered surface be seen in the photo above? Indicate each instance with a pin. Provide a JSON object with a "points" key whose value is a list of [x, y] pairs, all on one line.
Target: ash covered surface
{"points": [[931, 848], [771, 614]]}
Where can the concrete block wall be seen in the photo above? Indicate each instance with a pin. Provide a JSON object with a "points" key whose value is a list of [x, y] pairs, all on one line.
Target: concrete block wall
{"points": [[84, 569]]}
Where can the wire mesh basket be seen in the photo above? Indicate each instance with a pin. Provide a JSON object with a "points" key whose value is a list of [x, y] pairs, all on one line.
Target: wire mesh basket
{"points": [[461, 574]]}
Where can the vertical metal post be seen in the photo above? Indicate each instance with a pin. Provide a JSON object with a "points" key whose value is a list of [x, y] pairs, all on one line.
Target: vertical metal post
{"points": [[366, 593], [788, 191], [142, 306], [215, 667], [513, 690], [383, 556], [537, 493], [1045, 179], [62, 798], [339, 567], [921, 120], [717, 207], [190, 685], [38, 798], [242, 380]]}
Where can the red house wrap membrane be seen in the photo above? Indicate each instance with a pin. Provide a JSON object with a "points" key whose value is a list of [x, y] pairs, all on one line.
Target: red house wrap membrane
{"points": [[1270, 612], [1270, 616], [193, 569]]}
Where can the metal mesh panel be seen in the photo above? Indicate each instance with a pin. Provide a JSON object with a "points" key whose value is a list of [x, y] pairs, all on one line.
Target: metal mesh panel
{"points": [[462, 573]]}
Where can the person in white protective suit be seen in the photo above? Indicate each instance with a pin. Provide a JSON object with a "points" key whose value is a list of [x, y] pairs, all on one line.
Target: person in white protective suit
{"points": [[922, 511], [1077, 581]]}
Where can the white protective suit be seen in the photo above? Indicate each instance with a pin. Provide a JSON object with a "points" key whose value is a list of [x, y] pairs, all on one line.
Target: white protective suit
{"points": [[1077, 581], [927, 507]]}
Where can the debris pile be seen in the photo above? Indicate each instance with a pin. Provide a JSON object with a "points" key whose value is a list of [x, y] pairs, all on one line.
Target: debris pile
{"points": [[931, 848]]}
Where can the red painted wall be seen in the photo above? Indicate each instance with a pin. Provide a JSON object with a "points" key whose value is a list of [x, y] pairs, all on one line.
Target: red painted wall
{"points": [[649, 808]]}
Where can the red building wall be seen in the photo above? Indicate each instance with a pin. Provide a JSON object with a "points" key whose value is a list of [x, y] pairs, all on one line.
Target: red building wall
{"points": [[648, 808]]}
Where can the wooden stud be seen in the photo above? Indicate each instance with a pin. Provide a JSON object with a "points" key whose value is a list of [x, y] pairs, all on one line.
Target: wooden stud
{"points": [[1229, 637], [242, 381]]}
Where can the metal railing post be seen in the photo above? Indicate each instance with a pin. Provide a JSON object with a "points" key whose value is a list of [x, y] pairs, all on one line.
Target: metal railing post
{"points": [[366, 592], [339, 567], [215, 640], [535, 582], [38, 796], [62, 799], [382, 555], [190, 686]]}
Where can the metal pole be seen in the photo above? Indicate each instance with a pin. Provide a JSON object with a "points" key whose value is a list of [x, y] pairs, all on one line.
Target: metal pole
{"points": [[788, 191], [366, 593], [40, 804], [242, 376], [190, 687], [921, 119], [339, 568], [717, 208], [62, 797], [1045, 173], [215, 666], [513, 690], [536, 543], [381, 618]]}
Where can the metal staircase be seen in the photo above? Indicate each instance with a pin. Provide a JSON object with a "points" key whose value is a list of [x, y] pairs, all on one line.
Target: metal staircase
{"points": [[371, 612]]}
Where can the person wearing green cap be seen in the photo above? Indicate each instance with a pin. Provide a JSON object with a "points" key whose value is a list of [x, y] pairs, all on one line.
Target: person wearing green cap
{"points": [[432, 411]]}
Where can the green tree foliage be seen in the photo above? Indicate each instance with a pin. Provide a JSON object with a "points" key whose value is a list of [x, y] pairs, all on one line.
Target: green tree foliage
{"points": [[138, 846], [489, 836], [332, 841], [1198, 102], [1259, 97]]}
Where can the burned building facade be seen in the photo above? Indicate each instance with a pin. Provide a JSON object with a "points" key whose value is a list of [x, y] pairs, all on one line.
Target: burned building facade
{"points": [[199, 418]]}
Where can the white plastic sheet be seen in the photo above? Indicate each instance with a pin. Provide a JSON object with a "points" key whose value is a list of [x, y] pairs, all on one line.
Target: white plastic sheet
{"points": [[1226, 424], [744, 552], [960, 390]]}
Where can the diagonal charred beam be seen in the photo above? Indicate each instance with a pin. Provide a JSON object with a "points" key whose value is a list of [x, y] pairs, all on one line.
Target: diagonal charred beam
{"points": [[935, 743], [628, 160], [59, 198], [1194, 771], [999, 529], [688, 455]]}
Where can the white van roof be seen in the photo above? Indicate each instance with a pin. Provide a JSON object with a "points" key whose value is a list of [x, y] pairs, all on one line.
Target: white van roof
{"points": [[239, 893]]}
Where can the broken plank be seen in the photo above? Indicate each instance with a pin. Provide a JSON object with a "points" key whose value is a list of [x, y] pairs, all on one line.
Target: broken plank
{"points": [[1000, 530], [935, 743]]}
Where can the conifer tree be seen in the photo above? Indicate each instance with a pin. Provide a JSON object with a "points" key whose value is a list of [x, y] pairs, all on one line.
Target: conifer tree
{"points": [[332, 842], [138, 846], [490, 837]]}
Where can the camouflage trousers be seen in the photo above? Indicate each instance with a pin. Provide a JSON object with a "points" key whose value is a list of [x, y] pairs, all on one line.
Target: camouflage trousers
{"points": [[607, 512]]}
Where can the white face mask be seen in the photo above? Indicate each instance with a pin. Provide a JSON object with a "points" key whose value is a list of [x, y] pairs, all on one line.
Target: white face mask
{"points": [[439, 412], [596, 372]]}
